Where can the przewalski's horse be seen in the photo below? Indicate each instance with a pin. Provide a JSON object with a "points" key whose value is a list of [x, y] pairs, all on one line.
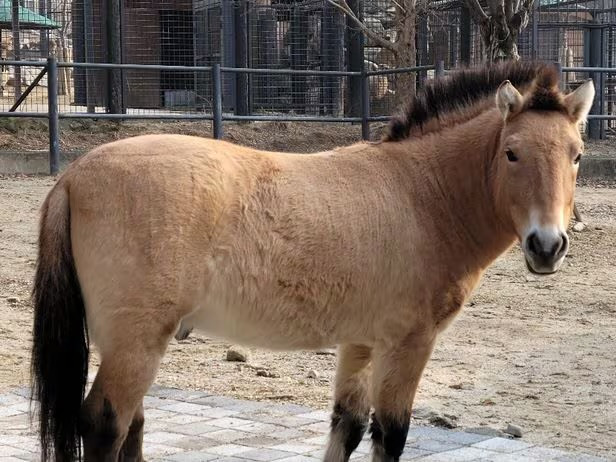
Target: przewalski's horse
{"points": [[374, 247]]}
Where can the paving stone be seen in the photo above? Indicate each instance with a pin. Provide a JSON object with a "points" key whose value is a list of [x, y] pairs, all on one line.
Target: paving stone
{"points": [[247, 406], [229, 459], [458, 455], [24, 443], [11, 398], [229, 422], [259, 441], [191, 456], [300, 459], [218, 401], [195, 443], [512, 457], [291, 421], [150, 402], [318, 427], [465, 438], [414, 453], [432, 433], [153, 450], [185, 408], [502, 445], [13, 409], [24, 392], [158, 414], [19, 422], [183, 419], [187, 395], [227, 436], [296, 448], [229, 449], [293, 434], [166, 438], [182, 425], [260, 428], [162, 392], [265, 455], [7, 451], [316, 415], [434, 445], [216, 412], [198, 428], [320, 440]]}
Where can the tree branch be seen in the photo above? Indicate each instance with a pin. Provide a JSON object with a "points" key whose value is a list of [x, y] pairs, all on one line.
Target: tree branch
{"points": [[477, 11], [343, 6]]}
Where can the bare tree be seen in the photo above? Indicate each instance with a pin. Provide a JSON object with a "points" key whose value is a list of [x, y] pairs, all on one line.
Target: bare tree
{"points": [[401, 43], [501, 23]]}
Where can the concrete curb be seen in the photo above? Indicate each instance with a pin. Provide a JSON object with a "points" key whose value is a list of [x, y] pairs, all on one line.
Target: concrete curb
{"points": [[593, 167]]}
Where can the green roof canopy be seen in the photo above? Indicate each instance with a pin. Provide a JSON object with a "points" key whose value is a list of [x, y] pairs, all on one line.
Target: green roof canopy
{"points": [[28, 19]]}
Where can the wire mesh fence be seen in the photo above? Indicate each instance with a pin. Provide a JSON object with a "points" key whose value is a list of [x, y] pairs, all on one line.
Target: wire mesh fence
{"points": [[271, 34]]}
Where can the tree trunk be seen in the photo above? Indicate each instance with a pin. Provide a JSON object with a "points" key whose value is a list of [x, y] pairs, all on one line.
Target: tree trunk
{"points": [[406, 50], [500, 41]]}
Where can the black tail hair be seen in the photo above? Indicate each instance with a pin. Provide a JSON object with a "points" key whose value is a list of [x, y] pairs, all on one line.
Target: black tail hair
{"points": [[60, 348]]}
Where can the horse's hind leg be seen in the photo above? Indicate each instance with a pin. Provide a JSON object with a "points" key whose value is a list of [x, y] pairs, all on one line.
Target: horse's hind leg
{"points": [[112, 414], [132, 448], [396, 375], [352, 405]]}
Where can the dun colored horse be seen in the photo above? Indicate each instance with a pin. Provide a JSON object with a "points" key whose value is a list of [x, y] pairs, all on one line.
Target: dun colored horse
{"points": [[374, 247]]}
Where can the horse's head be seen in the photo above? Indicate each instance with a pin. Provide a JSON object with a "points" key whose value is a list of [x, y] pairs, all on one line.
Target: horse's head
{"points": [[536, 165]]}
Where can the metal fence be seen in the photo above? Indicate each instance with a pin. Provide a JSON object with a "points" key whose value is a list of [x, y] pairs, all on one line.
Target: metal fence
{"points": [[269, 34], [54, 109]]}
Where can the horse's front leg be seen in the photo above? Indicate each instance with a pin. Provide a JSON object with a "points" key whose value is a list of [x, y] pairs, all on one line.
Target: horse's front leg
{"points": [[351, 402], [397, 370]]}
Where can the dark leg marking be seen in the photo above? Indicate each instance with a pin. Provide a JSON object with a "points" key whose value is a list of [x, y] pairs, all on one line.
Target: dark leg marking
{"points": [[99, 431], [349, 427], [131, 449], [389, 436]]}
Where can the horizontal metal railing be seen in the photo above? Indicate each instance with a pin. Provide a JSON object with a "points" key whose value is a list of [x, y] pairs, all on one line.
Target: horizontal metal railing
{"points": [[51, 66]]}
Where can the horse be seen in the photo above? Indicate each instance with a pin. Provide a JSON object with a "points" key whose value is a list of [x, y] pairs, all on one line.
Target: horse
{"points": [[373, 247]]}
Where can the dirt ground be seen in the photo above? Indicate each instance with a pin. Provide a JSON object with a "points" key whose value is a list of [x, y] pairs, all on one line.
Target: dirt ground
{"points": [[538, 352]]}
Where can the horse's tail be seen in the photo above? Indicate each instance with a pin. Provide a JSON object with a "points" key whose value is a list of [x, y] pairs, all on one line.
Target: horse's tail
{"points": [[60, 349]]}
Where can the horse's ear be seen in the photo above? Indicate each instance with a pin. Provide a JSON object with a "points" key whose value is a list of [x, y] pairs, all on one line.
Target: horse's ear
{"points": [[578, 102], [508, 99]]}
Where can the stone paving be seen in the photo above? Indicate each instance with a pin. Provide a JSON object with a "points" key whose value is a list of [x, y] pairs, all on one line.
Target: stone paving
{"points": [[192, 426]]}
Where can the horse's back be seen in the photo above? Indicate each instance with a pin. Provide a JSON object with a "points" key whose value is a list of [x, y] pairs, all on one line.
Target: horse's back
{"points": [[144, 212]]}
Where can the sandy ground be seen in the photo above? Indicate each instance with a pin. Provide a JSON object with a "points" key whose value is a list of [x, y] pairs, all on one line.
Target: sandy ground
{"points": [[538, 352]]}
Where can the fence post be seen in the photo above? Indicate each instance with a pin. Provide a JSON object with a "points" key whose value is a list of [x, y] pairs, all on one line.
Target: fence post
{"points": [[217, 101], [54, 121], [440, 69], [465, 35], [241, 57], [559, 70], [365, 105], [595, 59]]}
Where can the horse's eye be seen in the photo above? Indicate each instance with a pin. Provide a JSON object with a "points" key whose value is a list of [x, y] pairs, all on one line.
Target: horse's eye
{"points": [[511, 156], [577, 159]]}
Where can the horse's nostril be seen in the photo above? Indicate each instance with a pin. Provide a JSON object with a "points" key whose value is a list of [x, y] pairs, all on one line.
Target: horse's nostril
{"points": [[564, 243], [533, 244], [549, 248]]}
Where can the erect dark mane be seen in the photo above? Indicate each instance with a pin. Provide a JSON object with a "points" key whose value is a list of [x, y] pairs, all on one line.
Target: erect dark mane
{"points": [[464, 88]]}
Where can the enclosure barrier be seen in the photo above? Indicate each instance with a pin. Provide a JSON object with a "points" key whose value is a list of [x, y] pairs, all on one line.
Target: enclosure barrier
{"points": [[217, 115]]}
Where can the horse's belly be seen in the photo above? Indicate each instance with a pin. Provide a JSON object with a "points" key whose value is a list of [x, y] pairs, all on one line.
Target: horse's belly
{"points": [[233, 323], [267, 323]]}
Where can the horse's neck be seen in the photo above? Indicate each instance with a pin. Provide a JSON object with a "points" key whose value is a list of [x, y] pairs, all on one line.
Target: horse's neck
{"points": [[456, 189]]}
